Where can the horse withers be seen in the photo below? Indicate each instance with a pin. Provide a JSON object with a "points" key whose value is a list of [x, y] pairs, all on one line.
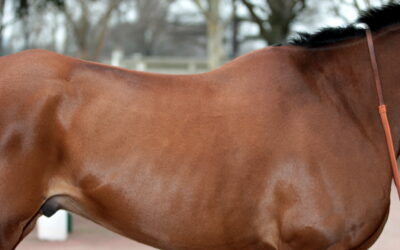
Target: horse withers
{"points": [[280, 149]]}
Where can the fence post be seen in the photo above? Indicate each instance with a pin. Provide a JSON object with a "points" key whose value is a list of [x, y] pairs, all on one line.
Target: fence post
{"points": [[192, 67], [116, 57], [54, 228], [140, 64]]}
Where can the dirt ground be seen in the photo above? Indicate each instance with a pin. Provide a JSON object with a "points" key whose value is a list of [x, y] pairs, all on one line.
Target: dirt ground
{"points": [[390, 238], [89, 236], [86, 236]]}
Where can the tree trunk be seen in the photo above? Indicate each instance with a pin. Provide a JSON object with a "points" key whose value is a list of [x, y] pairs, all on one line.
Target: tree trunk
{"points": [[235, 31], [281, 15], [102, 29], [214, 30], [2, 3]]}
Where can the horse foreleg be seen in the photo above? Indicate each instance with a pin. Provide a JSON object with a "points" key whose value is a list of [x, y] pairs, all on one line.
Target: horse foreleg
{"points": [[32, 151], [16, 221]]}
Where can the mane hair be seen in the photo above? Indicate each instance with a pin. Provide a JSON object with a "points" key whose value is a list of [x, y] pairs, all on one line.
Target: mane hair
{"points": [[375, 18]]}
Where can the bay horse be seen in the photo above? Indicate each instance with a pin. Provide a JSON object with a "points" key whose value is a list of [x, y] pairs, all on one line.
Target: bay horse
{"points": [[279, 149]]}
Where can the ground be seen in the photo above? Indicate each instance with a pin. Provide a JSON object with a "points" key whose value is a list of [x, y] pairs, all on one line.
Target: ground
{"points": [[89, 236]]}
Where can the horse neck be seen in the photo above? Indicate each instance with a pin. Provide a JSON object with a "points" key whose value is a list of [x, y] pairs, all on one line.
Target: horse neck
{"points": [[350, 79], [387, 46]]}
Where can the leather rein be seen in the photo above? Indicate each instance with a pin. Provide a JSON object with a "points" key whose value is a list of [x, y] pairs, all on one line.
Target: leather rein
{"points": [[383, 110]]}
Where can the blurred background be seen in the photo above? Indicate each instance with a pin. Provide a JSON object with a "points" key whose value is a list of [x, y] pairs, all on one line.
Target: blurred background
{"points": [[177, 36], [166, 36]]}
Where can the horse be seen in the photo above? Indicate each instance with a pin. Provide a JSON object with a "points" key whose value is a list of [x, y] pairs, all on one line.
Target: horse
{"points": [[281, 148]]}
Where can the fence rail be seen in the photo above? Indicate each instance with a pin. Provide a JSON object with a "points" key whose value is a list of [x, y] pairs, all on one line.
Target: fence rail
{"points": [[169, 65]]}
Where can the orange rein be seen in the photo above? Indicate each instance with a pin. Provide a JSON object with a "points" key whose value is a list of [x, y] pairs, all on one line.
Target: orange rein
{"points": [[383, 111]]}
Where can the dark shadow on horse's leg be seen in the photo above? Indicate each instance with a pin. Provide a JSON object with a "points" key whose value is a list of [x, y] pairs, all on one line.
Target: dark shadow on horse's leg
{"points": [[14, 231], [9, 236]]}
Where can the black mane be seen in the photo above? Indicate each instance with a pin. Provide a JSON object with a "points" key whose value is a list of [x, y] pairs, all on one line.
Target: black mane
{"points": [[376, 18]]}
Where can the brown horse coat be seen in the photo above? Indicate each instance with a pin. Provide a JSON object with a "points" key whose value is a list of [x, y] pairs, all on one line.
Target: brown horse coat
{"points": [[279, 149]]}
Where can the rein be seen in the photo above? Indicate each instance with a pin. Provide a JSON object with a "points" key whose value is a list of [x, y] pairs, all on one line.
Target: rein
{"points": [[383, 111]]}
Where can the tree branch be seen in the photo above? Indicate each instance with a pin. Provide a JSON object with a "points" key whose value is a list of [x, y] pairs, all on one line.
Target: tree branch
{"points": [[69, 18], [357, 5], [103, 27], [263, 32], [368, 3], [203, 9], [338, 13]]}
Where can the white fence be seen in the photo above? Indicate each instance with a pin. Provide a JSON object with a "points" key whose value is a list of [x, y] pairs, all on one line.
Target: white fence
{"points": [[54, 228], [169, 65]]}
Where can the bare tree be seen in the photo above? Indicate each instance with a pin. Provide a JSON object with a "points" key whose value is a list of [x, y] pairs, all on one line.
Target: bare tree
{"points": [[89, 34], [150, 23], [2, 24], [87, 24], [365, 4], [215, 47], [274, 17], [17, 16], [156, 30], [358, 5], [235, 20]]}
